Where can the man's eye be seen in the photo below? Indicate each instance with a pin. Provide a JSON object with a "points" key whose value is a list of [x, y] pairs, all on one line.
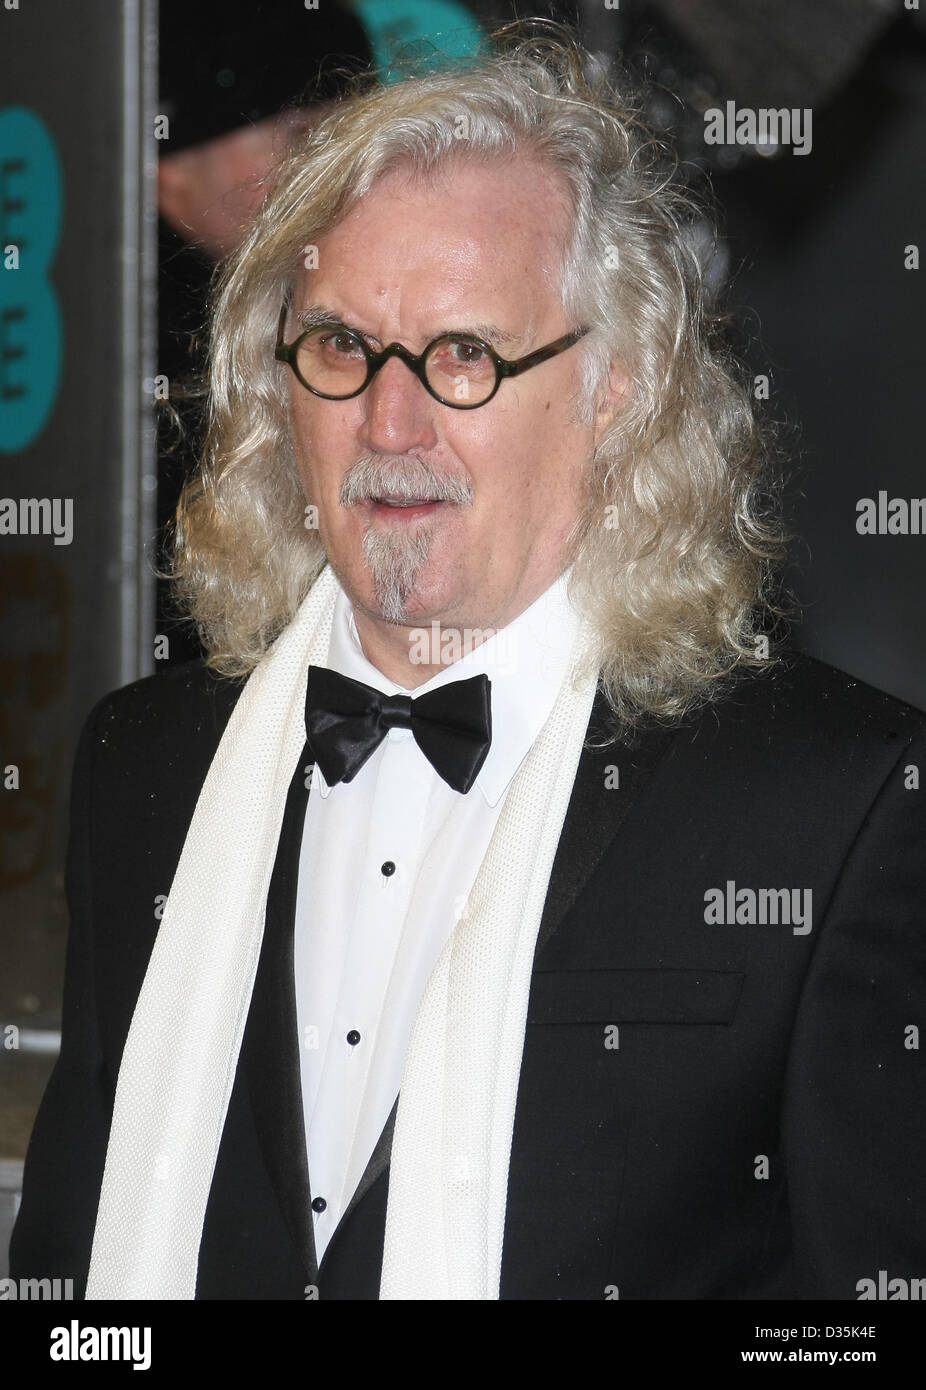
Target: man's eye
{"points": [[470, 353], [453, 353], [339, 340]]}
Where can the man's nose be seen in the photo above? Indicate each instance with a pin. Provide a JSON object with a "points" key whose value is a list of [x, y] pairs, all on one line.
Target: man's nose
{"points": [[399, 412]]}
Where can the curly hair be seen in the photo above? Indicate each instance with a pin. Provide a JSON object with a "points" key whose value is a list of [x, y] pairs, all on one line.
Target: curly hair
{"points": [[673, 554]]}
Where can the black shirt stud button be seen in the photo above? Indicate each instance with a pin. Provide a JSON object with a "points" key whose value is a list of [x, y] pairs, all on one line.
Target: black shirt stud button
{"points": [[353, 1037], [319, 1204], [387, 869]]}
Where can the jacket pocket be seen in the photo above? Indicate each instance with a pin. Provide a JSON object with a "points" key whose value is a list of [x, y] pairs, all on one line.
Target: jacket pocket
{"points": [[634, 996]]}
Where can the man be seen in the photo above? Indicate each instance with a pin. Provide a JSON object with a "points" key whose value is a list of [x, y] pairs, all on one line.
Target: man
{"points": [[528, 932]]}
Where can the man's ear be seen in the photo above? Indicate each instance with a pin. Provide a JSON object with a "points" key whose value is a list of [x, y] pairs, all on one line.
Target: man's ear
{"points": [[613, 398]]}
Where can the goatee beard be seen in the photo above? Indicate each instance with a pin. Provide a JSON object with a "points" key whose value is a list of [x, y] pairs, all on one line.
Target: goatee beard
{"points": [[395, 560], [396, 557]]}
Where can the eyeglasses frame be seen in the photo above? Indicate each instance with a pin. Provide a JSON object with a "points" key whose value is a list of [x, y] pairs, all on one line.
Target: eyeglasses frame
{"points": [[286, 352]]}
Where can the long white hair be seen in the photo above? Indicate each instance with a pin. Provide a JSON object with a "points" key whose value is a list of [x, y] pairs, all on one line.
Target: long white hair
{"points": [[672, 555]]}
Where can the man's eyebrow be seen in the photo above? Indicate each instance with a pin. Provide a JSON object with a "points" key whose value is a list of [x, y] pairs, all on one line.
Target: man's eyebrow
{"points": [[314, 314], [311, 315]]}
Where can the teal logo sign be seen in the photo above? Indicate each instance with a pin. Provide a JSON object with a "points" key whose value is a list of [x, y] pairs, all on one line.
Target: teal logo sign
{"points": [[422, 34], [30, 319]]}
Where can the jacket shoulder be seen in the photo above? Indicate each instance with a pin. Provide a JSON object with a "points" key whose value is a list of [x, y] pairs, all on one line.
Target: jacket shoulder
{"points": [[185, 703], [162, 730], [806, 700]]}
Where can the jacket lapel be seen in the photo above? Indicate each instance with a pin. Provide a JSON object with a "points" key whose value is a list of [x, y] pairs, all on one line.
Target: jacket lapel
{"points": [[379, 1159], [587, 831], [271, 1043]]}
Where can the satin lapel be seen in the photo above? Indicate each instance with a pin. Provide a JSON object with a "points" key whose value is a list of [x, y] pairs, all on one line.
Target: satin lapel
{"points": [[379, 1159], [271, 1044], [597, 810]]}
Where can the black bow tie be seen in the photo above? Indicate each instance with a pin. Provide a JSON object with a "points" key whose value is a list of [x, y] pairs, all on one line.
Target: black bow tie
{"points": [[346, 721]]}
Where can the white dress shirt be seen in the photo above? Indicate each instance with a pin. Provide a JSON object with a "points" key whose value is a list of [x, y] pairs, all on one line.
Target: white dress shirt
{"points": [[386, 864]]}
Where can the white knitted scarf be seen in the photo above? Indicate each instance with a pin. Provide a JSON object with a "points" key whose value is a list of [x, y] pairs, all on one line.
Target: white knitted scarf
{"points": [[452, 1141]]}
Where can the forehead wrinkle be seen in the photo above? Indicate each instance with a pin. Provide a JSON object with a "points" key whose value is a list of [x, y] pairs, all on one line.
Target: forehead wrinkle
{"points": [[311, 315]]}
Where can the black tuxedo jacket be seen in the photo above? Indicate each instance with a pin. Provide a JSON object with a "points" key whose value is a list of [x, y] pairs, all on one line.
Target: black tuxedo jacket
{"points": [[706, 1109]]}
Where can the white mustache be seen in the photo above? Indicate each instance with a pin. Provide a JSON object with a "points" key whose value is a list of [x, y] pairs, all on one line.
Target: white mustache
{"points": [[410, 480]]}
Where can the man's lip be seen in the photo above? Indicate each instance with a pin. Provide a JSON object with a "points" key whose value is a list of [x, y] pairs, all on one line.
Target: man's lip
{"points": [[400, 502]]}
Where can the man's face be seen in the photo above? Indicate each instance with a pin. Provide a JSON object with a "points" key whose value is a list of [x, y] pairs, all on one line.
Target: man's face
{"points": [[409, 263]]}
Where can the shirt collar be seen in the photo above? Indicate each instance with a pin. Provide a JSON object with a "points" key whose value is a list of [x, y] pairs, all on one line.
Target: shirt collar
{"points": [[526, 663]]}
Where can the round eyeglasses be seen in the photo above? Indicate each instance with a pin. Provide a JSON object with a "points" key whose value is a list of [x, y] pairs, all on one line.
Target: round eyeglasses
{"points": [[334, 362]]}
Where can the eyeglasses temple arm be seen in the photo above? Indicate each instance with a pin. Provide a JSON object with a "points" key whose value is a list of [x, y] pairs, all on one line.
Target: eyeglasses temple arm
{"points": [[533, 359]]}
